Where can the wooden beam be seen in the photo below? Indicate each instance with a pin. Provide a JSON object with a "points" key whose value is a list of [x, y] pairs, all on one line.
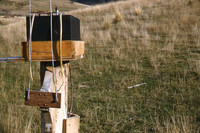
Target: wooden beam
{"points": [[56, 115], [41, 50]]}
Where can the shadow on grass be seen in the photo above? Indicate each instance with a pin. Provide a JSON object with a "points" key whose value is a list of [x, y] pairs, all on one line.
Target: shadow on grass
{"points": [[1, 129]]}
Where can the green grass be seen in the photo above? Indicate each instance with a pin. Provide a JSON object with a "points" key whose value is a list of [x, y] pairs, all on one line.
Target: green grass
{"points": [[159, 46], [154, 48]]}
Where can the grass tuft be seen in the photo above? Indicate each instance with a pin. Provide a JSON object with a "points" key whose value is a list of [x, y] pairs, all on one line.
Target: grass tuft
{"points": [[106, 23], [138, 10], [118, 17], [177, 124]]}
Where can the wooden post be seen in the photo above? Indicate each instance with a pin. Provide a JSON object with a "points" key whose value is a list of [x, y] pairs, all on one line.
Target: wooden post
{"points": [[52, 118]]}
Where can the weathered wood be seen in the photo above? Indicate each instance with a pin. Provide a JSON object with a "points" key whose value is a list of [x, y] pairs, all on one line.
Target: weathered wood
{"points": [[41, 50], [71, 124], [56, 115], [43, 99]]}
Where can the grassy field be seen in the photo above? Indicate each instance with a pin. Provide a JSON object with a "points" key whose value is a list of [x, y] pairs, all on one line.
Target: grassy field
{"points": [[155, 43], [20, 7]]}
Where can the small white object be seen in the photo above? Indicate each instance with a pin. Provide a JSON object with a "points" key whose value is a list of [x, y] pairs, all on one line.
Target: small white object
{"points": [[46, 86], [57, 12], [48, 127], [137, 85], [83, 86]]}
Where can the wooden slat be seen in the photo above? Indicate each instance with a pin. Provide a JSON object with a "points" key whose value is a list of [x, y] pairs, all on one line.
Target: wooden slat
{"points": [[41, 50], [42, 99], [71, 124]]}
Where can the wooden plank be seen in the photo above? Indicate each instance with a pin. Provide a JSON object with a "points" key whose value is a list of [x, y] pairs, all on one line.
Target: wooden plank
{"points": [[71, 124], [41, 50], [42, 99]]}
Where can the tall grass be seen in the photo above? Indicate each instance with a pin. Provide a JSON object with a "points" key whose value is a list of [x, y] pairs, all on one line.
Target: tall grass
{"points": [[20, 7], [159, 47], [15, 117], [156, 43]]}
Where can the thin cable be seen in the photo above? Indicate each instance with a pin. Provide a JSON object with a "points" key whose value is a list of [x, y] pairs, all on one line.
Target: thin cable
{"points": [[30, 49], [66, 91], [52, 54], [61, 63], [62, 70], [72, 91], [30, 46]]}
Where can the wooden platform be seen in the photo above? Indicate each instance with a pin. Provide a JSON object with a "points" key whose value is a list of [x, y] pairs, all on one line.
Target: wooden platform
{"points": [[41, 50], [43, 99]]}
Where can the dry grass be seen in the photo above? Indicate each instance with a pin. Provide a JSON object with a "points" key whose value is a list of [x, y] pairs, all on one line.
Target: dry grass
{"points": [[177, 124], [117, 17], [12, 33], [20, 7], [154, 43], [107, 23], [138, 10], [159, 47]]}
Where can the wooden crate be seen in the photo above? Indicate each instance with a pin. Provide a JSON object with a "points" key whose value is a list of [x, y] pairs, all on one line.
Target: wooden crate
{"points": [[41, 50], [43, 99], [71, 124]]}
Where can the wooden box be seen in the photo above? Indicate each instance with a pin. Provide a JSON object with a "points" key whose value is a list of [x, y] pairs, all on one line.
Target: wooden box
{"points": [[41, 50], [71, 124]]}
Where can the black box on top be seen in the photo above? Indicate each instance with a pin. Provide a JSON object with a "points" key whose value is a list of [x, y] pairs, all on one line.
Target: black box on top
{"points": [[41, 28]]}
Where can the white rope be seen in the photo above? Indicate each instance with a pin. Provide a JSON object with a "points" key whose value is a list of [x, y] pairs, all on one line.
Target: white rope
{"points": [[30, 47], [62, 69], [61, 63], [51, 29]]}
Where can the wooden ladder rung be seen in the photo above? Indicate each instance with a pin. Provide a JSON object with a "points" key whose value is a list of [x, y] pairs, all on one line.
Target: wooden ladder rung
{"points": [[43, 99]]}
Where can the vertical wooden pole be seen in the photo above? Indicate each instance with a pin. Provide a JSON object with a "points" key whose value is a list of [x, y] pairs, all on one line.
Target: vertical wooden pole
{"points": [[52, 118]]}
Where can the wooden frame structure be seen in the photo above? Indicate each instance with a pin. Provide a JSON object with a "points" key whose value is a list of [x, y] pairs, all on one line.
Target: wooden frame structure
{"points": [[54, 117], [53, 102]]}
